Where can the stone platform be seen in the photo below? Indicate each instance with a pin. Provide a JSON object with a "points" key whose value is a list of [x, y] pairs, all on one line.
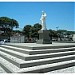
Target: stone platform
{"points": [[35, 46], [36, 58]]}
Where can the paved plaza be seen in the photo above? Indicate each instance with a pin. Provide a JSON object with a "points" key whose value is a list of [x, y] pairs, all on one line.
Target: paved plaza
{"points": [[40, 45]]}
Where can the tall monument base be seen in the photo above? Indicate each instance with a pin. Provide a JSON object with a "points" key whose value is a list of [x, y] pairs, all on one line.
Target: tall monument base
{"points": [[44, 37]]}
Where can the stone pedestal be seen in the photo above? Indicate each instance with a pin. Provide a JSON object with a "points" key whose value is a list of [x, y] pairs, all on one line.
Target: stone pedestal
{"points": [[73, 37], [44, 37]]}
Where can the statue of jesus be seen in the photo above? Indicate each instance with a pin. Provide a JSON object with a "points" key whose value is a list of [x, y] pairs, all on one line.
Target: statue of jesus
{"points": [[43, 20]]}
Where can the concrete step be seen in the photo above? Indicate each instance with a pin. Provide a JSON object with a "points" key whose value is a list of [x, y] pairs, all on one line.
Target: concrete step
{"points": [[34, 46], [23, 64], [2, 70], [43, 51], [49, 55], [65, 70], [38, 56], [16, 61], [22, 50], [14, 53], [48, 67], [36, 69], [9, 67]]}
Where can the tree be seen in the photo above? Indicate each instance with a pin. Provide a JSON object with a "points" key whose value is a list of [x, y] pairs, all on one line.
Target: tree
{"points": [[27, 30], [13, 23], [7, 24], [32, 31], [53, 33], [35, 30], [37, 26], [70, 32]]}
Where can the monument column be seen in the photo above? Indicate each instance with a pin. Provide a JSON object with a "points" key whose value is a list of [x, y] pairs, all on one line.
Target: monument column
{"points": [[44, 37]]}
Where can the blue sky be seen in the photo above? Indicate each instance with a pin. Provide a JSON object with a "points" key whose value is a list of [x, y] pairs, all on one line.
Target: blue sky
{"points": [[59, 14]]}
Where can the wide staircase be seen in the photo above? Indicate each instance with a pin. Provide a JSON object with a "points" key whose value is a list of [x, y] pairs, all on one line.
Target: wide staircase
{"points": [[21, 59]]}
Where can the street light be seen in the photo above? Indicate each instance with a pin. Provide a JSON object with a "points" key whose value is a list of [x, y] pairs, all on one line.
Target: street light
{"points": [[57, 28]]}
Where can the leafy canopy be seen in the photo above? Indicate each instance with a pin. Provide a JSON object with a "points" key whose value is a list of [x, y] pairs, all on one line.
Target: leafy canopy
{"points": [[6, 22]]}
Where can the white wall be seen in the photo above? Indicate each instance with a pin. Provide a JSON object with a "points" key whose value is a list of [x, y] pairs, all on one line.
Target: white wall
{"points": [[74, 37], [17, 39]]}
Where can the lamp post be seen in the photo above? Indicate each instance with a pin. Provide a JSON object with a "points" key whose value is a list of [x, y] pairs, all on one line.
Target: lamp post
{"points": [[57, 32], [57, 28], [19, 38]]}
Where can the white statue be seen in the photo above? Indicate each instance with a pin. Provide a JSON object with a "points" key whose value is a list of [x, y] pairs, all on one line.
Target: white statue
{"points": [[43, 20]]}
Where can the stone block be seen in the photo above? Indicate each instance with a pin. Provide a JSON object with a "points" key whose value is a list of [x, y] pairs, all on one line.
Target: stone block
{"points": [[44, 37]]}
